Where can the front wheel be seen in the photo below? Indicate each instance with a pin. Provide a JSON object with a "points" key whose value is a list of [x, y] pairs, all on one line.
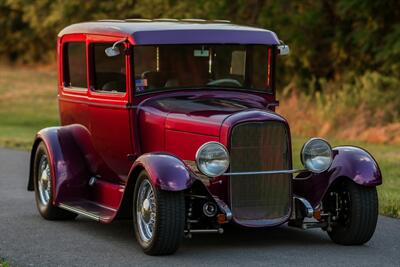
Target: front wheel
{"points": [[159, 217], [358, 213]]}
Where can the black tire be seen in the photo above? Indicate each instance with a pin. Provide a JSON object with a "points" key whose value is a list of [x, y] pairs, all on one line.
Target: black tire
{"points": [[169, 220], [356, 225], [47, 209]]}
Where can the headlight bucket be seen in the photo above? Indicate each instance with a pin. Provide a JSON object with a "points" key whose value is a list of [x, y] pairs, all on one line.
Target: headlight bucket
{"points": [[212, 159], [316, 155]]}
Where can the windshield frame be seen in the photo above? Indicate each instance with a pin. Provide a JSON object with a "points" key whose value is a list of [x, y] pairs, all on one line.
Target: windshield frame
{"points": [[267, 91]]}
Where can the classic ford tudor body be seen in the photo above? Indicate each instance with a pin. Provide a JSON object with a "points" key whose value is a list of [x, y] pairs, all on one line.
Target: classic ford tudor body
{"points": [[172, 123]]}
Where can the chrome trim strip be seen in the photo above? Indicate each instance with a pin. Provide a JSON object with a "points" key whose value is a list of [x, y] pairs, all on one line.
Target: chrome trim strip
{"points": [[205, 231], [87, 102], [263, 172], [80, 212]]}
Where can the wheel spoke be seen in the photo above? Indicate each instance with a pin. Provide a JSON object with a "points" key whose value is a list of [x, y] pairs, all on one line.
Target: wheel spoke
{"points": [[44, 181], [146, 207]]}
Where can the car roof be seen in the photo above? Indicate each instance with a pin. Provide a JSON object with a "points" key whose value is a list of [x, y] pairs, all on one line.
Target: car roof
{"points": [[170, 31]]}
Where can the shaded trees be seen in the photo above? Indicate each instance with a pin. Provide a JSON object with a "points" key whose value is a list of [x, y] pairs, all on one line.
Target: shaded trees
{"points": [[329, 39]]}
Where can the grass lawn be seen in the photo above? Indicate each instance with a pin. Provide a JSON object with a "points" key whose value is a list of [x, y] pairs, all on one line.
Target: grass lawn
{"points": [[4, 263], [28, 103]]}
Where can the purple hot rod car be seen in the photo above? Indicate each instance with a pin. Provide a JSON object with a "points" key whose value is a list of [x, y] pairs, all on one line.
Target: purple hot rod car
{"points": [[172, 124]]}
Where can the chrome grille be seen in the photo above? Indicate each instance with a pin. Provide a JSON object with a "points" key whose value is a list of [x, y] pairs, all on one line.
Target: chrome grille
{"points": [[259, 146]]}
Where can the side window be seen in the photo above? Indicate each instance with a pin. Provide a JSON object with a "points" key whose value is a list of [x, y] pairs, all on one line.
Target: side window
{"points": [[74, 69], [109, 72]]}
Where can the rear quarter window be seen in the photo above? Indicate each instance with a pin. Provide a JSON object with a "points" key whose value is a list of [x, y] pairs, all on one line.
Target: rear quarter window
{"points": [[74, 66]]}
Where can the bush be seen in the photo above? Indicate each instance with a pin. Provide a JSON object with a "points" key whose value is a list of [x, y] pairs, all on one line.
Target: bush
{"points": [[364, 107]]}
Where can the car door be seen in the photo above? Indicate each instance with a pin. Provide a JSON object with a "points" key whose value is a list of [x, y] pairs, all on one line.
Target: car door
{"points": [[109, 114]]}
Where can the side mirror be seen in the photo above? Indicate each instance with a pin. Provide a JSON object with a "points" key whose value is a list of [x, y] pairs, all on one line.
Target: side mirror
{"points": [[283, 50], [114, 50]]}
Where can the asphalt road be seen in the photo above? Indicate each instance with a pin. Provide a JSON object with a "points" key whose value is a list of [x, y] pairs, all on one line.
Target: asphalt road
{"points": [[28, 240]]}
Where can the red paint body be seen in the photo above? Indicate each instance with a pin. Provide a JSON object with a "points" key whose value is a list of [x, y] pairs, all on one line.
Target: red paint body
{"points": [[114, 136]]}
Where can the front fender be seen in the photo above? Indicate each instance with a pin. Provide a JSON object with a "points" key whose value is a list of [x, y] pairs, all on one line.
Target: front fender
{"points": [[166, 171], [349, 162]]}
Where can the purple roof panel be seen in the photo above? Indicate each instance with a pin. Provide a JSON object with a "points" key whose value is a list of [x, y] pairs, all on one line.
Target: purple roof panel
{"points": [[146, 33], [204, 37]]}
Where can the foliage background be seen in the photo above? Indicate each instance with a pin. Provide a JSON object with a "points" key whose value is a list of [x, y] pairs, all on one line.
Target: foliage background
{"points": [[345, 57], [330, 38]]}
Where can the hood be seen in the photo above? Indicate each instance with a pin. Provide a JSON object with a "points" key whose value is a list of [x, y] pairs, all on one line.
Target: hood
{"points": [[200, 113]]}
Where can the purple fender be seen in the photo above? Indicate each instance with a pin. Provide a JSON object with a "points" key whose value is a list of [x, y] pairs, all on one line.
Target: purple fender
{"points": [[68, 165], [166, 171], [349, 162]]}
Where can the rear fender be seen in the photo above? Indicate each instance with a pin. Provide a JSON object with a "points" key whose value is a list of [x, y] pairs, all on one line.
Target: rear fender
{"points": [[166, 171], [349, 162], [67, 162]]}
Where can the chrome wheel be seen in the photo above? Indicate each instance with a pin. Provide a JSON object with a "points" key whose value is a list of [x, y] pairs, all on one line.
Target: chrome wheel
{"points": [[146, 211], [44, 181], [159, 217]]}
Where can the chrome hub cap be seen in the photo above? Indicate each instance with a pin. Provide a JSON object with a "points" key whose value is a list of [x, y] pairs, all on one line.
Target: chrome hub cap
{"points": [[146, 211], [44, 183]]}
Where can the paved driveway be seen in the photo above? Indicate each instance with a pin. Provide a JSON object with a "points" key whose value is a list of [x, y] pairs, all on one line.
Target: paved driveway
{"points": [[26, 239]]}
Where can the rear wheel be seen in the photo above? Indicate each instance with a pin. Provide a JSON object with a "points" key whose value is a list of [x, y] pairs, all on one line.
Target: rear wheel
{"points": [[159, 217], [43, 183], [358, 213]]}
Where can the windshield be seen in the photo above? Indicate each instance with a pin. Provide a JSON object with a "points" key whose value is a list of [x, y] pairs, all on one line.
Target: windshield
{"points": [[221, 66]]}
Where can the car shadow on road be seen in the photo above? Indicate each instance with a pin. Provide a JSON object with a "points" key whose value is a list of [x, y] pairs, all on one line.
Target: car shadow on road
{"points": [[233, 237]]}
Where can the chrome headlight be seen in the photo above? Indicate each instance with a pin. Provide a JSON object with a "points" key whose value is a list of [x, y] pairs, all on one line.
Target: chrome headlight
{"points": [[212, 159], [316, 155]]}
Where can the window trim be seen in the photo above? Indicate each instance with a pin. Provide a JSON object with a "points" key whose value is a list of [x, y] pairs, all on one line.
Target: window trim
{"points": [[65, 68], [271, 91], [92, 75]]}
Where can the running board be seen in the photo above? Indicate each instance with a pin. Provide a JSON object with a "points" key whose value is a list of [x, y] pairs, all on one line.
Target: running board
{"points": [[90, 209], [80, 212]]}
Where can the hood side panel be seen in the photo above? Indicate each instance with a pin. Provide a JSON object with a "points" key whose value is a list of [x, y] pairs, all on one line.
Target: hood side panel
{"points": [[184, 144], [179, 123], [202, 125]]}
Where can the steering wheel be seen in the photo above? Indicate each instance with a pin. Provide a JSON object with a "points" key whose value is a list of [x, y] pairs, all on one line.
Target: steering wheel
{"points": [[144, 73], [225, 81]]}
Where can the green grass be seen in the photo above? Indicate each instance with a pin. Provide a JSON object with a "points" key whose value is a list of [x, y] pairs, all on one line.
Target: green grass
{"points": [[388, 157], [4, 263], [28, 103]]}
